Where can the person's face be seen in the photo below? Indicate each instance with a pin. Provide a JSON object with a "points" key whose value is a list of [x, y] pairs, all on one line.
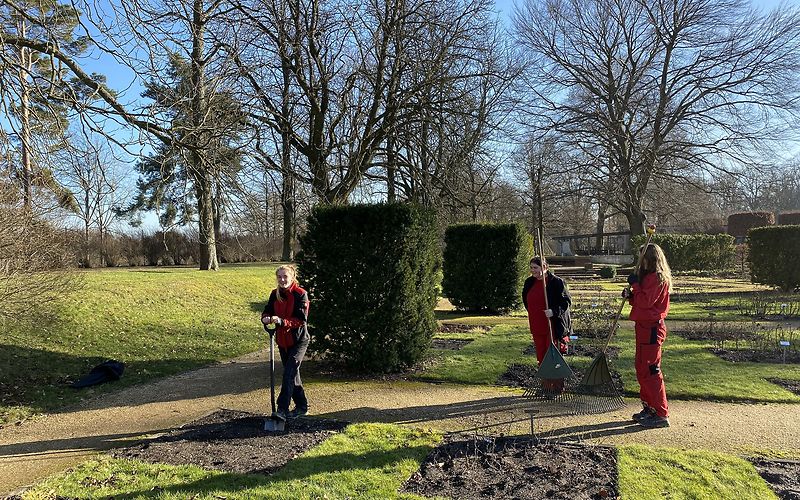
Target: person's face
{"points": [[536, 270], [284, 278]]}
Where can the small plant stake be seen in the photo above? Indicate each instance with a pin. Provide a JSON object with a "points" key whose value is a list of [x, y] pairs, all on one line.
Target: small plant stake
{"points": [[784, 345]]}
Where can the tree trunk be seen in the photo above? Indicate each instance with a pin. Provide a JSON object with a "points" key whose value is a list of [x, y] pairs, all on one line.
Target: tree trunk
{"points": [[600, 227], [208, 243]]}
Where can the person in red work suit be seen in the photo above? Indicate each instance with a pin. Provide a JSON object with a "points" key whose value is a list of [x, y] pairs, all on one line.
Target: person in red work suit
{"points": [[287, 308], [556, 312], [648, 295]]}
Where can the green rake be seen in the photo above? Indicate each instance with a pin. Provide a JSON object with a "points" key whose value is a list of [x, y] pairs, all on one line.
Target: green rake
{"points": [[598, 392]]}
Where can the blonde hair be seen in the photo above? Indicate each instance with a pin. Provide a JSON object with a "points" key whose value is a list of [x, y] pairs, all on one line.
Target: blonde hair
{"points": [[289, 268], [654, 261]]}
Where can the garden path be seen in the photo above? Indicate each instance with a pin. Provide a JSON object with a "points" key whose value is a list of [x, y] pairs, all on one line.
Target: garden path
{"points": [[43, 446]]}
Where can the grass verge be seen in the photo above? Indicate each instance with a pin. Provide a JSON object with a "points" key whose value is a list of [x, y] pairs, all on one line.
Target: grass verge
{"points": [[680, 474]]}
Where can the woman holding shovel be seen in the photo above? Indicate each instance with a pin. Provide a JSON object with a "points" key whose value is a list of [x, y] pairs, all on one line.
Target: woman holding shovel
{"points": [[553, 309], [287, 308], [648, 295]]}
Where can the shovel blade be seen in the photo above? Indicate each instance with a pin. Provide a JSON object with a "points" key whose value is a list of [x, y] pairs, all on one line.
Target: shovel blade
{"points": [[274, 424]]}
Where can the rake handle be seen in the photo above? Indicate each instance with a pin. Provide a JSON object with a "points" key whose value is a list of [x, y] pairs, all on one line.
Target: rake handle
{"points": [[651, 230], [544, 284]]}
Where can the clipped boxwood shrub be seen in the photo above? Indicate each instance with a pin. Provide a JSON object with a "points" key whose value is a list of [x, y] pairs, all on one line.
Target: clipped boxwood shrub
{"points": [[773, 256], [485, 266], [688, 252], [370, 271], [789, 218], [739, 224], [608, 272]]}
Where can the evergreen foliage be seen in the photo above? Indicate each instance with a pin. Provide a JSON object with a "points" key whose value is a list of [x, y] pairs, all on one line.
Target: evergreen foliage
{"points": [[686, 252], [485, 266], [773, 256], [370, 271]]}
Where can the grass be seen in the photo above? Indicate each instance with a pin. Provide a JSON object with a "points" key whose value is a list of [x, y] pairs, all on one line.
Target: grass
{"points": [[691, 371], [157, 321], [374, 460], [365, 461], [679, 474]]}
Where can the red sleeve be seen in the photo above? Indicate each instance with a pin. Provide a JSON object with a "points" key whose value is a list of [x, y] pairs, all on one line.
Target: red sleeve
{"points": [[647, 292]]}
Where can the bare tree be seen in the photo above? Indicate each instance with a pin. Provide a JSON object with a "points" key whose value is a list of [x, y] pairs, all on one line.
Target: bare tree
{"points": [[660, 88], [34, 260]]}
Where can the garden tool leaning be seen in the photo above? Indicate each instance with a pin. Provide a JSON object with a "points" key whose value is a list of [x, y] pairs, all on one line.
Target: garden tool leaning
{"points": [[275, 422]]}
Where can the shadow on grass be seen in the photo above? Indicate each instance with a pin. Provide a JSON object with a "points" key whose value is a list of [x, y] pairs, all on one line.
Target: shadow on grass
{"points": [[299, 469], [40, 379]]}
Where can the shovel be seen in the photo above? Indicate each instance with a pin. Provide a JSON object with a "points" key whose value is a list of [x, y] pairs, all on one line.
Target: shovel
{"points": [[275, 422]]}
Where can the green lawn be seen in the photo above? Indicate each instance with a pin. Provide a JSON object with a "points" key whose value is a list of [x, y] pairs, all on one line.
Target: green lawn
{"points": [[157, 321], [691, 371]]}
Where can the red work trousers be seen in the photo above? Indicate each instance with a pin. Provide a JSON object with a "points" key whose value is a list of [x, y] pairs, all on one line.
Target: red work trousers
{"points": [[650, 335]]}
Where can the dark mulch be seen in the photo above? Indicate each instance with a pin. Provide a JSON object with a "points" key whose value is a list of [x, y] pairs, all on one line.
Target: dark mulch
{"points": [[461, 328], [754, 356], [576, 349], [789, 385], [783, 476], [519, 375], [233, 441], [516, 467], [450, 344]]}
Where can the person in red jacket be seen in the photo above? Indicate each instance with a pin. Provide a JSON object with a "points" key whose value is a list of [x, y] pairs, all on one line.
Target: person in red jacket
{"points": [[557, 314], [648, 295], [287, 308]]}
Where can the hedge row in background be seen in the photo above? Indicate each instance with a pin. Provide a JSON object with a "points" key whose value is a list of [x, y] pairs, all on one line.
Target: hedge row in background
{"points": [[789, 218], [485, 266], [685, 252], [773, 256], [739, 224], [370, 272]]}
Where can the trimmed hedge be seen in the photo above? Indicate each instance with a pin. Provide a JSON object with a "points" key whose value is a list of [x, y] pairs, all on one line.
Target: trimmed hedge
{"points": [[370, 271], [703, 252], [739, 224], [485, 266], [773, 256], [789, 218]]}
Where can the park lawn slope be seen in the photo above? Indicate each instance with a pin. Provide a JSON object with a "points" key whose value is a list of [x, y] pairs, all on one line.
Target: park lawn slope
{"points": [[158, 321]]}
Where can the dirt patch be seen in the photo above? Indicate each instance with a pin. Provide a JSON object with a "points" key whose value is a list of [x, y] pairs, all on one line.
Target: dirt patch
{"points": [[449, 344], [789, 385], [783, 476], [754, 356], [516, 467], [461, 328], [233, 441]]}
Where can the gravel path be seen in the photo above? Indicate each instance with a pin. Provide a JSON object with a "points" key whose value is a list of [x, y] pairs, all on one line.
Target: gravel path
{"points": [[38, 448]]}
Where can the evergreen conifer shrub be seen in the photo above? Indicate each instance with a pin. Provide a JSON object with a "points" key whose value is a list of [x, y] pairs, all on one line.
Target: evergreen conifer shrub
{"points": [[773, 256], [485, 266], [370, 271]]}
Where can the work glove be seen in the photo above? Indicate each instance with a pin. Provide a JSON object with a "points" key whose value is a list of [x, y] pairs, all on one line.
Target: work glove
{"points": [[548, 313], [633, 278], [627, 293]]}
